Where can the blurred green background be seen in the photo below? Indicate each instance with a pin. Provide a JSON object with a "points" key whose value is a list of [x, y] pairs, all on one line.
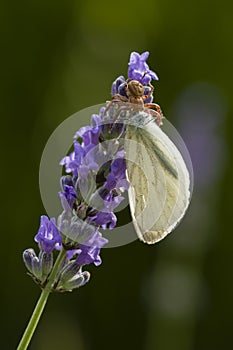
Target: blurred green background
{"points": [[58, 57]]}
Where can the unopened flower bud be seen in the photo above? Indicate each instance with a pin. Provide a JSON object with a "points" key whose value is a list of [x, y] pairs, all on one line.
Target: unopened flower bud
{"points": [[69, 271], [79, 280], [28, 256], [46, 260], [36, 267]]}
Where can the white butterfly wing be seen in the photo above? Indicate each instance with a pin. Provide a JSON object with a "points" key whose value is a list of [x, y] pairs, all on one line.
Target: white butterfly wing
{"points": [[159, 191]]}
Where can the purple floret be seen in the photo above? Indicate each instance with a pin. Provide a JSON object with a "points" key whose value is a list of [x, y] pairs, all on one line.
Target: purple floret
{"points": [[139, 69], [89, 251], [48, 235]]}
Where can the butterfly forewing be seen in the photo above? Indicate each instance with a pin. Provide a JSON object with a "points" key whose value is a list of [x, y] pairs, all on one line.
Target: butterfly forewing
{"points": [[159, 182]]}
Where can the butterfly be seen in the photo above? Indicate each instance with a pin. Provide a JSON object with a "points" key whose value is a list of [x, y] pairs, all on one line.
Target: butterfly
{"points": [[160, 182]]}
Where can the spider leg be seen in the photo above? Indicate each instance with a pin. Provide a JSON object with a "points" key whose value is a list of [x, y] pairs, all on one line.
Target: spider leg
{"points": [[152, 88], [122, 107], [158, 113], [154, 106], [115, 99], [120, 97], [144, 97]]}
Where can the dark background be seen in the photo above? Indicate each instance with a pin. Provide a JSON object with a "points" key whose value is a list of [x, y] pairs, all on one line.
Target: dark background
{"points": [[59, 57]]}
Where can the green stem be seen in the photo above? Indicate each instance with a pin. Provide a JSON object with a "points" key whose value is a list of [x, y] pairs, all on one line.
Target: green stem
{"points": [[40, 305]]}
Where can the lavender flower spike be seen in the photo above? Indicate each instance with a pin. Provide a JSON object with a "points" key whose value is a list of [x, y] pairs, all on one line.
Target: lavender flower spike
{"points": [[92, 187], [91, 190]]}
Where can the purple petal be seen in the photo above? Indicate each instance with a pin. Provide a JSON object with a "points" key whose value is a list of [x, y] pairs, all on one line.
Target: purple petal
{"points": [[48, 235], [89, 251], [118, 82], [144, 56], [103, 219], [139, 69]]}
